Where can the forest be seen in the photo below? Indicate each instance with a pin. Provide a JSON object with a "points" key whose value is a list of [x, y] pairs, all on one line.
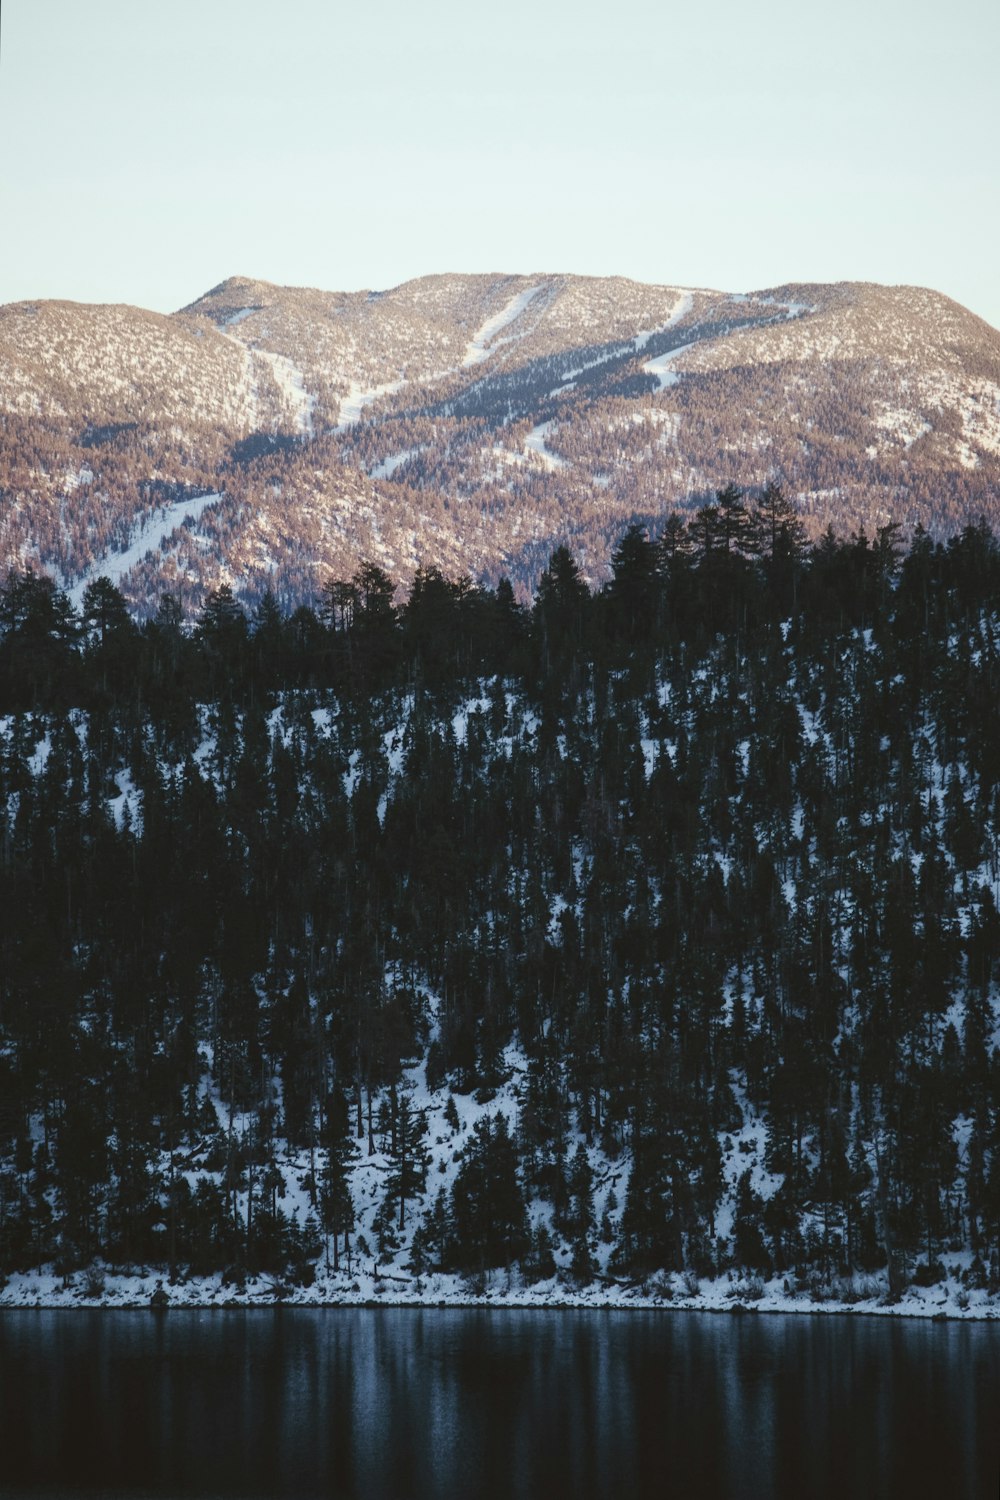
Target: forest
{"points": [[641, 932]]}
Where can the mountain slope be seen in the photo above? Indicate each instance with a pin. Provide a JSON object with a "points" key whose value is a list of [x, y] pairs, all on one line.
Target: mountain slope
{"points": [[476, 421], [709, 919]]}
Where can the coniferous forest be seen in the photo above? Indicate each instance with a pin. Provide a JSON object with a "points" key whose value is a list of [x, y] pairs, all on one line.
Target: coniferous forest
{"points": [[645, 936]]}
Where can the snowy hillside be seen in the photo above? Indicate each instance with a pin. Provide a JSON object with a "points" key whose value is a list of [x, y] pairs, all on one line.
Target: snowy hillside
{"points": [[472, 422], [657, 960]]}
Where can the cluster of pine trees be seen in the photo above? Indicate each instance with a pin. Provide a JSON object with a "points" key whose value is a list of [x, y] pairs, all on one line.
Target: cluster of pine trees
{"points": [[716, 844]]}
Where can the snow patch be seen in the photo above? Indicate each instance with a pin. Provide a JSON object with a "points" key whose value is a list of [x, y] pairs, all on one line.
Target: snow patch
{"points": [[791, 310], [388, 466], [357, 398], [129, 798], [534, 443], [907, 426], [75, 477]]}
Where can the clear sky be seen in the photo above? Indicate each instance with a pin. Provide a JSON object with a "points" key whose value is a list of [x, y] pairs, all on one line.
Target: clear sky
{"points": [[153, 147]]}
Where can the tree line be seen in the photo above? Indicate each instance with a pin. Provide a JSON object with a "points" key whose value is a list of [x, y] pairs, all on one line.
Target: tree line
{"points": [[733, 567], [710, 854]]}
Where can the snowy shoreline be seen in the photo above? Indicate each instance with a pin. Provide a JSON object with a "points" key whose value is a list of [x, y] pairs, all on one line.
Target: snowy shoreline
{"points": [[23, 1293]]}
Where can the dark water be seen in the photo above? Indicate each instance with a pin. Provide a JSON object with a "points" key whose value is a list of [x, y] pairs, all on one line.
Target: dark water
{"points": [[462, 1404]]}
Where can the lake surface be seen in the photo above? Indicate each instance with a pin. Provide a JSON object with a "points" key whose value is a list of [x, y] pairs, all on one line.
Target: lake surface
{"points": [[431, 1404]]}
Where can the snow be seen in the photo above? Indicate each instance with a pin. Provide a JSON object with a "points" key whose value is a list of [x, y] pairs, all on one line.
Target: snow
{"points": [[351, 774], [660, 366], [534, 443], [238, 317], [386, 1280], [795, 309], [570, 376], [745, 1153], [39, 757], [388, 466], [484, 342], [743, 1149], [150, 534], [395, 1288], [791, 310], [955, 1014], [291, 384], [905, 425], [362, 1287], [683, 306], [357, 398], [75, 477], [128, 797], [460, 719]]}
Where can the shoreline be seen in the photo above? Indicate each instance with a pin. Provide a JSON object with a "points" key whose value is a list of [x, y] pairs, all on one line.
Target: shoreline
{"points": [[148, 1292]]}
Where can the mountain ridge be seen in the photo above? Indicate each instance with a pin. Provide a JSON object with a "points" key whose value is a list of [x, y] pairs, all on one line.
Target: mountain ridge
{"points": [[474, 422]]}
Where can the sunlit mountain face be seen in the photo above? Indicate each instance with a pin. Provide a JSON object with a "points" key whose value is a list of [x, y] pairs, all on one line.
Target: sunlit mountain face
{"points": [[473, 423]]}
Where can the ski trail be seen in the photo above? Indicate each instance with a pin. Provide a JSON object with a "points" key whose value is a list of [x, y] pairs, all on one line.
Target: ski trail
{"points": [[152, 531], [287, 376], [660, 366], [682, 307], [291, 383], [357, 398], [535, 443], [792, 310], [484, 342]]}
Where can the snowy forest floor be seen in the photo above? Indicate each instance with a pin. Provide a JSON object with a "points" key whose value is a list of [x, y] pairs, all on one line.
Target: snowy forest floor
{"points": [[363, 1288]]}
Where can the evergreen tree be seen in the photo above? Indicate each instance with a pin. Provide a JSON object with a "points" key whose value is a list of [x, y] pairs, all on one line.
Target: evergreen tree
{"points": [[488, 1211], [335, 1192], [408, 1157]]}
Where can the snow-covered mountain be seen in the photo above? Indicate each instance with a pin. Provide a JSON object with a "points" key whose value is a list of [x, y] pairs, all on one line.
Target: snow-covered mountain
{"points": [[474, 422]]}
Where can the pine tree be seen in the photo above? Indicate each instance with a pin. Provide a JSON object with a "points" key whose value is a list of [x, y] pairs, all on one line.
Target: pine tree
{"points": [[335, 1192], [488, 1211], [408, 1158], [631, 596]]}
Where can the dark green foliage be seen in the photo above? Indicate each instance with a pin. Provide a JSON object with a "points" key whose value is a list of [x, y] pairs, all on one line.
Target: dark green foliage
{"points": [[335, 1190], [489, 1223], [716, 849], [407, 1155]]}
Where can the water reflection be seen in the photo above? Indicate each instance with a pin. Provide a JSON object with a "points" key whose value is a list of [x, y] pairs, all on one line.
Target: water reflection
{"points": [[436, 1403]]}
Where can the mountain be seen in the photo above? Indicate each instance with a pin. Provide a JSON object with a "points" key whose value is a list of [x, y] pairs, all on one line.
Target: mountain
{"points": [[474, 422]]}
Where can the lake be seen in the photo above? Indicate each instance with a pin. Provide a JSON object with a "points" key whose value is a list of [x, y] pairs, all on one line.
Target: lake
{"points": [[455, 1404]]}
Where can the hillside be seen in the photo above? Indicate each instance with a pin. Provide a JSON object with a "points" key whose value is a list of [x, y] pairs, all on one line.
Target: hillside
{"points": [[643, 946], [473, 422]]}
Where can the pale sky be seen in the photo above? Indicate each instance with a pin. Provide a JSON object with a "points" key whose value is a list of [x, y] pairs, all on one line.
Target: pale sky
{"points": [[152, 148]]}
